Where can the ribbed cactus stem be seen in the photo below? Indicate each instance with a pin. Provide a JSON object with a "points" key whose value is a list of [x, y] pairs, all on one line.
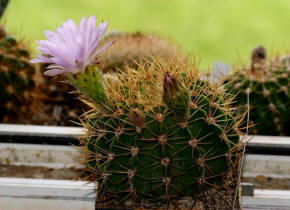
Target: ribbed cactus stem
{"points": [[176, 97]]}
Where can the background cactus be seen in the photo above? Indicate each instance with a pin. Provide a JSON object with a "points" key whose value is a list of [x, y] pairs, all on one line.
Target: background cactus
{"points": [[158, 134], [17, 80], [129, 48], [268, 85]]}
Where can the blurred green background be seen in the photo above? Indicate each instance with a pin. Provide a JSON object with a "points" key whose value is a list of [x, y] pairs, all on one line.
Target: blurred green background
{"points": [[224, 30]]}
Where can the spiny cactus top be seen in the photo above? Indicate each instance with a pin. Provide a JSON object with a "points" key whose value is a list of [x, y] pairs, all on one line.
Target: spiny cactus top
{"points": [[268, 84], [129, 48], [71, 48], [17, 79]]}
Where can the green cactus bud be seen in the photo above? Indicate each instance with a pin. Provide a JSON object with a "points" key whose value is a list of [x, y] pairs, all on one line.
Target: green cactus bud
{"points": [[258, 54], [176, 97]]}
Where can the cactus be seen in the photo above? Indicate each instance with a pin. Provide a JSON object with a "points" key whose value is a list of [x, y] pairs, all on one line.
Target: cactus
{"points": [[268, 84], [157, 134], [129, 48], [17, 79]]}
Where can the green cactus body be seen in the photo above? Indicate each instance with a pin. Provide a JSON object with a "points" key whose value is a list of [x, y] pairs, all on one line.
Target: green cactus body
{"points": [[129, 49], [268, 85], [17, 78], [157, 146]]}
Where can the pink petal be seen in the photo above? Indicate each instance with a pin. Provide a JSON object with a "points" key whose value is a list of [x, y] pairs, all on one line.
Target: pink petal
{"points": [[63, 61], [53, 72], [103, 28], [41, 59], [49, 34], [83, 25], [36, 60], [104, 48]]}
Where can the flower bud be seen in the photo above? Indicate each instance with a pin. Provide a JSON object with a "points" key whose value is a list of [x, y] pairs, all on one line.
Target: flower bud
{"points": [[176, 97]]}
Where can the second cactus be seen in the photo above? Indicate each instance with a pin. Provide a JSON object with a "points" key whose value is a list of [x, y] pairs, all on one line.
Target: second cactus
{"points": [[268, 85]]}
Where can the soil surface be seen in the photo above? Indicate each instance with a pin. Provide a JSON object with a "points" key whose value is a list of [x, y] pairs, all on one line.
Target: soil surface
{"points": [[262, 182], [41, 172]]}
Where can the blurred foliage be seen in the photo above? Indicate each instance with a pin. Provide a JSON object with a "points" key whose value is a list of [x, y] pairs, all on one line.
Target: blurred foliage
{"points": [[213, 29]]}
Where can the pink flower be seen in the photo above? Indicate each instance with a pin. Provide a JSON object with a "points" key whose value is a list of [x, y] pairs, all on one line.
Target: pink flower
{"points": [[71, 48]]}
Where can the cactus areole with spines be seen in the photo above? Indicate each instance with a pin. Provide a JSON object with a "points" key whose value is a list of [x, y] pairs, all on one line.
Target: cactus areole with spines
{"points": [[268, 84]]}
